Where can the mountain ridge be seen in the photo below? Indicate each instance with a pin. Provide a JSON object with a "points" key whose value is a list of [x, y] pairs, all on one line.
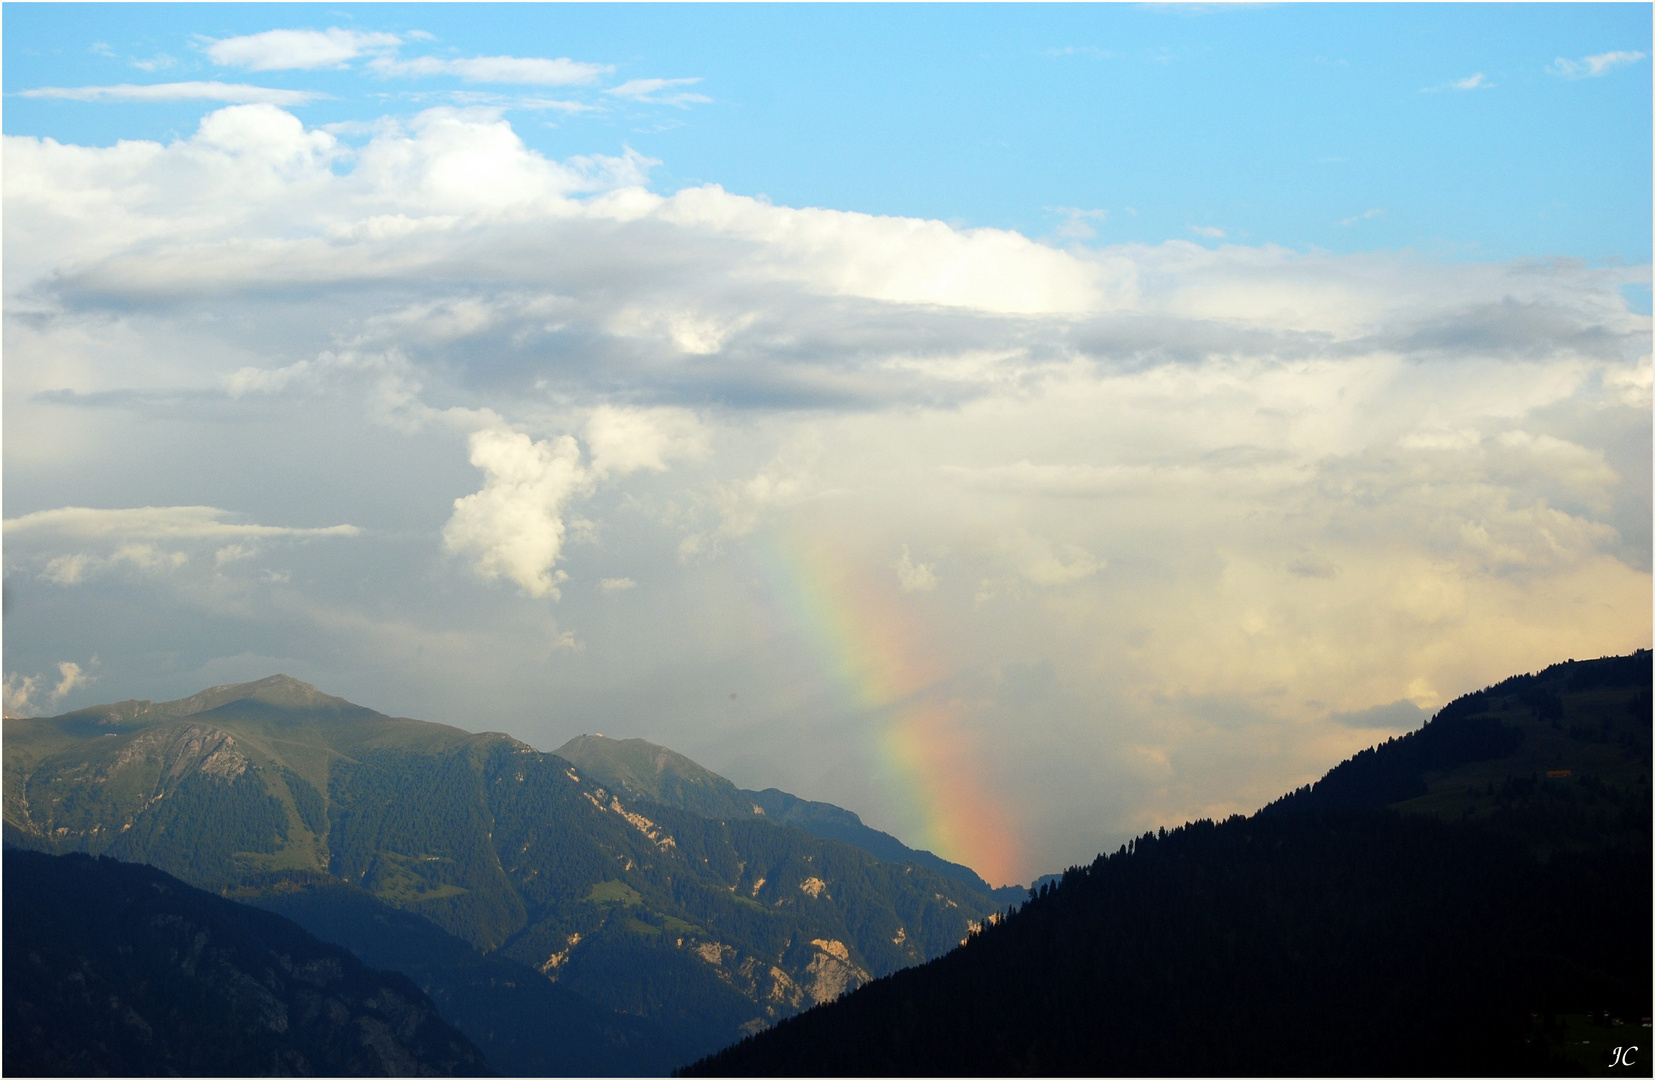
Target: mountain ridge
{"points": [[651, 771]]}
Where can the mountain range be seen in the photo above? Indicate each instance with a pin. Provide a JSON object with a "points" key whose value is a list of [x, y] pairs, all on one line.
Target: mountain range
{"points": [[504, 881], [1471, 897]]}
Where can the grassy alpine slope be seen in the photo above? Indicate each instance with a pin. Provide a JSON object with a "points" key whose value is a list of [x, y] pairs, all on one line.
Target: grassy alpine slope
{"points": [[1454, 902], [705, 928]]}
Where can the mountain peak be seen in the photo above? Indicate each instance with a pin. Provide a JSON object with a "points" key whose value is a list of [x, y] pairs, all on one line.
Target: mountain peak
{"points": [[277, 691], [282, 691], [653, 771]]}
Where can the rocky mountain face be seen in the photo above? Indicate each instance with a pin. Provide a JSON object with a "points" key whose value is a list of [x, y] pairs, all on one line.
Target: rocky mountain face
{"points": [[1470, 899], [702, 928], [117, 969], [644, 770]]}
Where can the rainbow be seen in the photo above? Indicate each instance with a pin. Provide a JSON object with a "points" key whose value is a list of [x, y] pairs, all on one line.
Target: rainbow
{"points": [[868, 640]]}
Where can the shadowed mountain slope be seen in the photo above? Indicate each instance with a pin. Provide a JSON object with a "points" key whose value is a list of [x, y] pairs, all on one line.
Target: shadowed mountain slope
{"points": [[526, 1024], [115, 969], [1441, 905], [647, 771], [684, 931]]}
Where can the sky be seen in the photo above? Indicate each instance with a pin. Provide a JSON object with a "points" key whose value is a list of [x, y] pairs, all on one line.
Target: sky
{"points": [[1023, 425]]}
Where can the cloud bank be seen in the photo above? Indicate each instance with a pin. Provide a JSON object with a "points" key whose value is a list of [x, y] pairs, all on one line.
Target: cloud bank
{"points": [[1181, 524]]}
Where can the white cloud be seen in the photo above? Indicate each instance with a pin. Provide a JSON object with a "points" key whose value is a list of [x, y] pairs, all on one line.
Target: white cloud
{"points": [[623, 441], [18, 690], [73, 544], [915, 577], [900, 260], [70, 678], [235, 93], [406, 181], [616, 584], [280, 50], [73, 569], [1470, 82], [649, 91], [513, 527], [152, 523], [539, 71], [1077, 223], [522, 102], [1591, 67], [230, 553], [1366, 215], [1211, 232]]}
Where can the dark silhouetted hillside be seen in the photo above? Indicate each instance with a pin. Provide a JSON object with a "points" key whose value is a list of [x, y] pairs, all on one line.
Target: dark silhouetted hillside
{"points": [[113, 969], [526, 1024]]}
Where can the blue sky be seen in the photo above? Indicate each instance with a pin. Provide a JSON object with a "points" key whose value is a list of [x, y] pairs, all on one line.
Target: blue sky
{"points": [[1205, 393], [1300, 125]]}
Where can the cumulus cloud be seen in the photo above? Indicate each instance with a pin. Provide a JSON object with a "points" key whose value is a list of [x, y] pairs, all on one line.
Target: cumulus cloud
{"points": [[235, 93], [281, 50], [915, 577], [626, 440], [513, 527], [1591, 67], [16, 691], [19, 691], [534, 70]]}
